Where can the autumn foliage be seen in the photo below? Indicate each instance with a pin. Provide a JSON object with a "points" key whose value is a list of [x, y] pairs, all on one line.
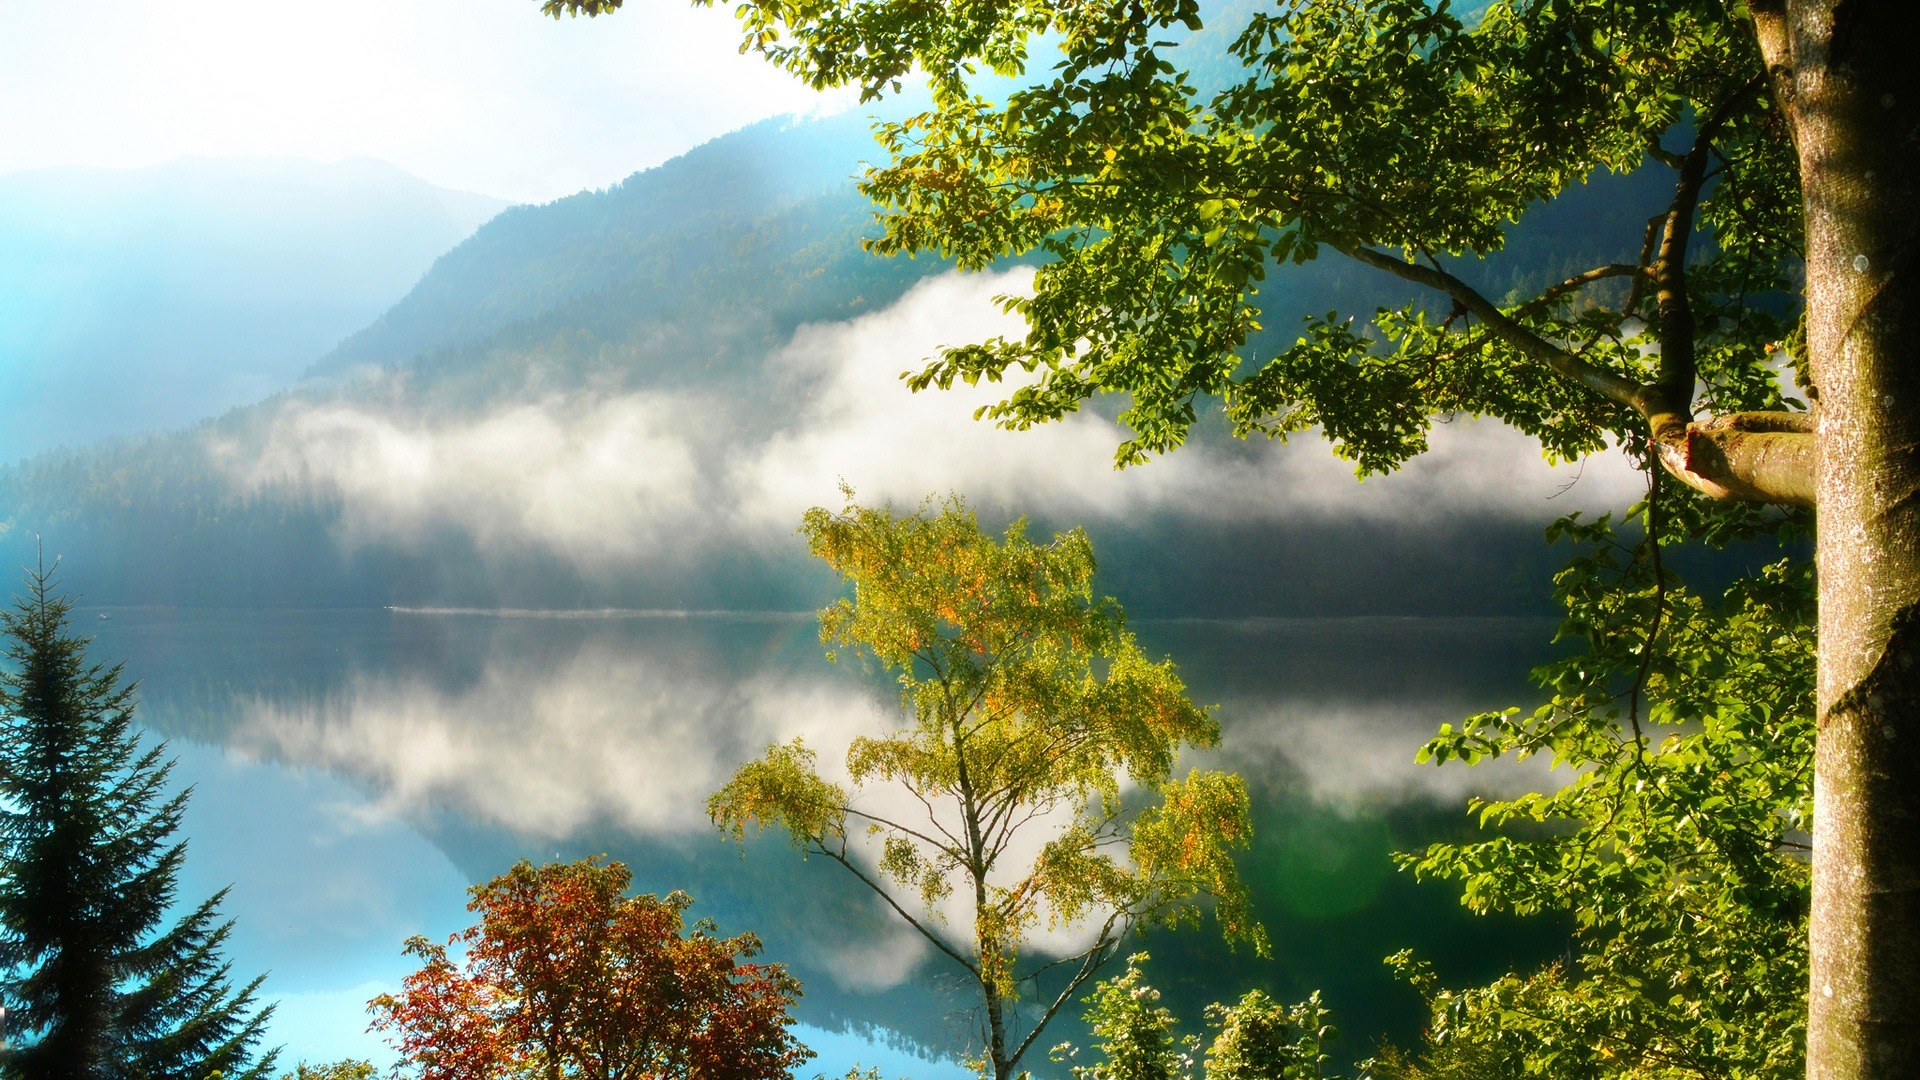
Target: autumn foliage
{"points": [[565, 976]]}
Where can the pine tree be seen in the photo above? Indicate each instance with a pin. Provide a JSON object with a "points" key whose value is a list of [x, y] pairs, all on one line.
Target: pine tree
{"points": [[94, 984]]}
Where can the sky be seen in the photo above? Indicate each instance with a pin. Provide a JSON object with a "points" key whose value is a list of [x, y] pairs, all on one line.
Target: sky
{"points": [[478, 95]]}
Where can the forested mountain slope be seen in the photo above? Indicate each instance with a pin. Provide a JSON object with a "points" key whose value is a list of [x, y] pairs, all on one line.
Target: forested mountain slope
{"points": [[624, 397]]}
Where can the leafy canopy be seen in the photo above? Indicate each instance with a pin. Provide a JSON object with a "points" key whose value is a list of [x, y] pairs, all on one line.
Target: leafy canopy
{"points": [[566, 976], [1411, 136], [1397, 132], [1032, 713], [1679, 845], [1255, 1038]]}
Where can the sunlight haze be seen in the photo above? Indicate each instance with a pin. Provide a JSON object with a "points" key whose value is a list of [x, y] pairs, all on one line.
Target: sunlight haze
{"points": [[480, 95]]}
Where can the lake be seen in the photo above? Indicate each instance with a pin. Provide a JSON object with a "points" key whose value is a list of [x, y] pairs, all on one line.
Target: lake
{"points": [[356, 770]]}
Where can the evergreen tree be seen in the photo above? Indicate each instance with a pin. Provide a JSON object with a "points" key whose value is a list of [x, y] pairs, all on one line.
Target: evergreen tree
{"points": [[94, 984]]}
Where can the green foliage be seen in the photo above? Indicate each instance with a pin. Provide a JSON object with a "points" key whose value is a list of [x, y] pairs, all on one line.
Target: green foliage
{"points": [[1137, 1036], [1398, 130], [1029, 706], [1411, 137], [1678, 844], [93, 982], [1256, 1038], [1261, 1039], [344, 1069]]}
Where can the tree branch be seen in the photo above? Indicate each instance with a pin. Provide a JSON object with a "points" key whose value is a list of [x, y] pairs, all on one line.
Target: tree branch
{"points": [[841, 858], [1638, 290], [1607, 384], [1776, 53], [1746, 457], [1095, 958], [889, 823], [1672, 391], [1578, 281]]}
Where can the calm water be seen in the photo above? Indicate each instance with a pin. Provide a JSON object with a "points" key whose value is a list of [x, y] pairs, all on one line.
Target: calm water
{"points": [[355, 771]]}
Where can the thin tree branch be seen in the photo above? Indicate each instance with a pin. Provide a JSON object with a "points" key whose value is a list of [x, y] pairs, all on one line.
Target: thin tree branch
{"points": [[1096, 957], [1610, 385], [1673, 389], [882, 893], [1578, 281], [897, 827], [1638, 291]]}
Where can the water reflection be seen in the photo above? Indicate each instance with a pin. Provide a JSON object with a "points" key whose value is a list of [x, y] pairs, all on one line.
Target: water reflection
{"points": [[356, 769]]}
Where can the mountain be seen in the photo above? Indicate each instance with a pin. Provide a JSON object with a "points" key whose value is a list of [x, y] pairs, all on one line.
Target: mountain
{"points": [[625, 398], [142, 299], [684, 276]]}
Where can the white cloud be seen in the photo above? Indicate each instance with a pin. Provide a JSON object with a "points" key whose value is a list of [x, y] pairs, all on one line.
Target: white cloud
{"points": [[638, 740], [859, 422], [1347, 754], [618, 482], [610, 736], [603, 482], [606, 736]]}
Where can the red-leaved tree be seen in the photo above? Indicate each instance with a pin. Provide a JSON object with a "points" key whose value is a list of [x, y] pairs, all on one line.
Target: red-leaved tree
{"points": [[567, 977]]}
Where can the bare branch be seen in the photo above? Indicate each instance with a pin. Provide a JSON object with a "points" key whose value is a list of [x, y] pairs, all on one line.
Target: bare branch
{"points": [[1661, 154], [1102, 951], [896, 826]]}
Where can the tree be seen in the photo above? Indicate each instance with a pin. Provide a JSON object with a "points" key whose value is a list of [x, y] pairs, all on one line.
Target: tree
{"points": [[566, 976], [1677, 849], [344, 1069], [1256, 1038], [1030, 705], [95, 985], [1406, 137]]}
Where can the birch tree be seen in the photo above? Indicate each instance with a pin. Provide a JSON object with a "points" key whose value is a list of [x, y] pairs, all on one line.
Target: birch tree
{"points": [[1035, 724]]}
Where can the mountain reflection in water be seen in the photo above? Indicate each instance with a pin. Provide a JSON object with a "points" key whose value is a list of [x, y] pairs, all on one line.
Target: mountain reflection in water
{"points": [[355, 770]]}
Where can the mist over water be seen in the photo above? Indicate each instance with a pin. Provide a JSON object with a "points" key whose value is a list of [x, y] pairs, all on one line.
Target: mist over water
{"points": [[356, 769]]}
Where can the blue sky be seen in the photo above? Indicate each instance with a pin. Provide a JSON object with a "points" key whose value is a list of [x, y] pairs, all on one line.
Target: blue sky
{"points": [[482, 95]]}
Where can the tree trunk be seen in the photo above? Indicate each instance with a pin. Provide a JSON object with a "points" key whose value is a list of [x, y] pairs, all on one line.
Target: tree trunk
{"points": [[997, 1034], [1848, 77]]}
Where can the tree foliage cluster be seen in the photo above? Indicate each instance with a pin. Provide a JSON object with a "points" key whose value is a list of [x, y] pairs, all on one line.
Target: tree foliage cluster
{"points": [[1255, 1038], [566, 976], [1678, 845], [1408, 138], [1029, 707]]}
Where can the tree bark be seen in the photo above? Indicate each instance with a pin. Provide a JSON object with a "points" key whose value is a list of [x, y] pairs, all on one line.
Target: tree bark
{"points": [[1847, 77], [1750, 457]]}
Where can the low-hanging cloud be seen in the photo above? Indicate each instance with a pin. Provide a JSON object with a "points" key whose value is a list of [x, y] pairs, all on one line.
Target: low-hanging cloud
{"points": [[1351, 754], [611, 734], [860, 423], [600, 482], [610, 482]]}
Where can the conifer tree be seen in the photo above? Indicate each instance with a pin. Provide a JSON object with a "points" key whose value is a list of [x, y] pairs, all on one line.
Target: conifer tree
{"points": [[95, 984]]}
